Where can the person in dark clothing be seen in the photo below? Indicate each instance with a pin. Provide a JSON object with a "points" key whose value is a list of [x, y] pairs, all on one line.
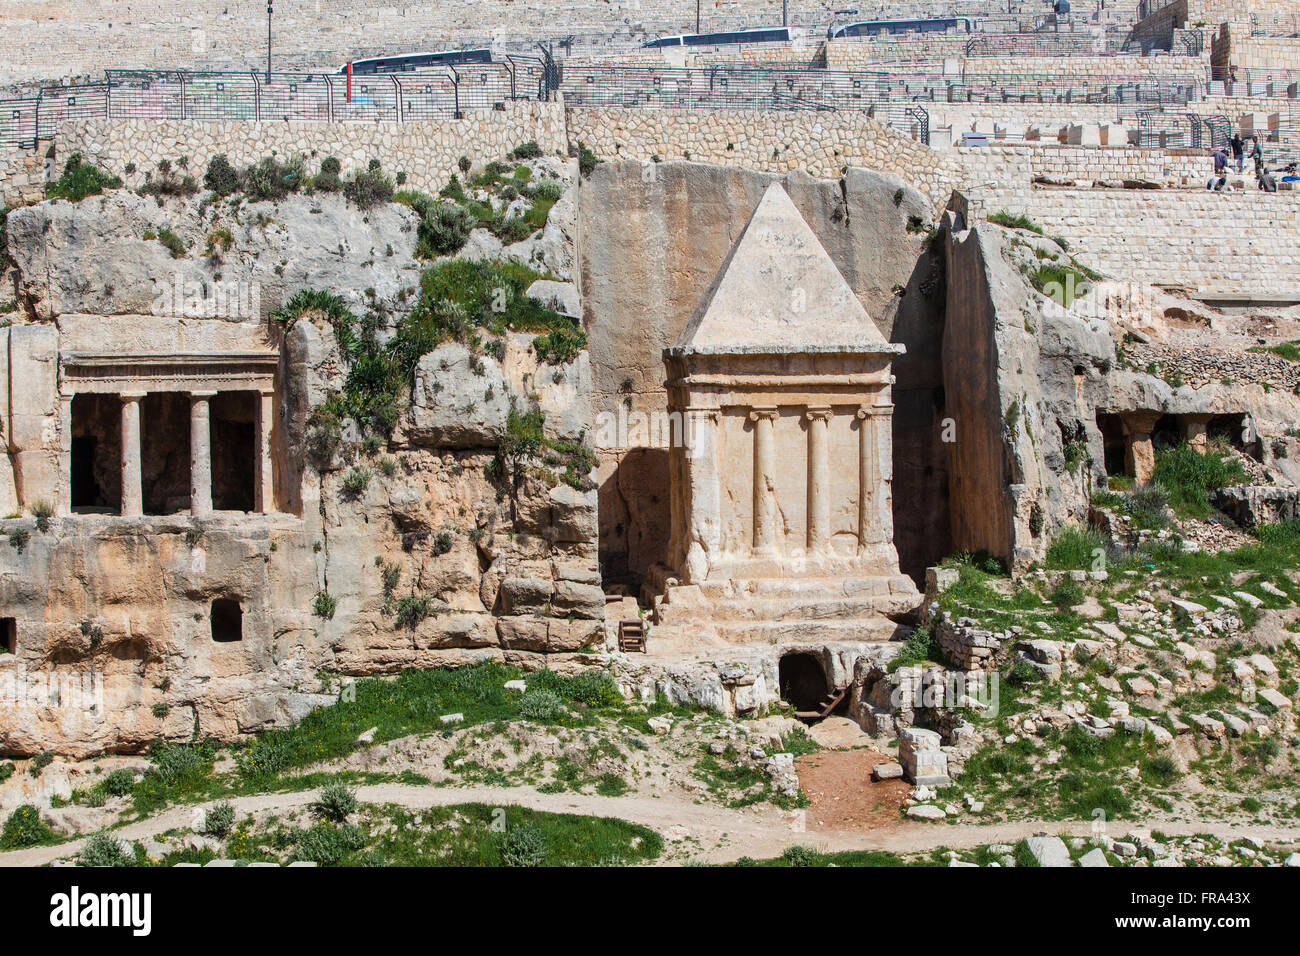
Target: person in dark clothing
{"points": [[1238, 151], [1257, 154], [1220, 177], [1267, 183]]}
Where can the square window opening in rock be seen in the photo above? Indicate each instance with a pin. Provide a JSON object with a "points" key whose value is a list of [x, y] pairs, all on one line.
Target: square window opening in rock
{"points": [[227, 621]]}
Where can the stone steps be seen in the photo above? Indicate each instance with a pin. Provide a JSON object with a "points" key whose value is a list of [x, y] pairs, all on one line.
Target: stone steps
{"points": [[796, 608], [876, 630]]}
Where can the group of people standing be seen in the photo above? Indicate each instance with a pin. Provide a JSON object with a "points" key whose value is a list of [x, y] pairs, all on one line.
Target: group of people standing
{"points": [[1238, 147]]}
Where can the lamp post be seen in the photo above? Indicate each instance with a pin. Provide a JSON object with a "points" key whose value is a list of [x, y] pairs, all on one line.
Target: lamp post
{"points": [[269, 11]]}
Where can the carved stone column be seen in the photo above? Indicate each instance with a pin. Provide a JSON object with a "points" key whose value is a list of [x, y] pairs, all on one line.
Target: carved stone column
{"points": [[65, 455], [1139, 455], [764, 418], [819, 479], [200, 454], [1196, 428], [700, 505], [875, 472], [132, 472], [265, 469]]}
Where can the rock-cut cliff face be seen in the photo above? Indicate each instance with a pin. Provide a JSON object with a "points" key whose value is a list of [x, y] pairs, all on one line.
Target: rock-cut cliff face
{"points": [[464, 530]]}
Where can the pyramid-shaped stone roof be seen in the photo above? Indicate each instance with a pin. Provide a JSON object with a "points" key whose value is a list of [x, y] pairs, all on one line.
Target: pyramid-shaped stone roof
{"points": [[778, 291]]}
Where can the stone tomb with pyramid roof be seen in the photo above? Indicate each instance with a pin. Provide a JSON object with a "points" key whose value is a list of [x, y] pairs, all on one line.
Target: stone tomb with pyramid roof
{"points": [[782, 527]]}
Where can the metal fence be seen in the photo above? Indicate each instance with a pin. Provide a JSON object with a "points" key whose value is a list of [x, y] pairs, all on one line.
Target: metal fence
{"points": [[746, 88], [1158, 129], [1275, 26], [896, 96]]}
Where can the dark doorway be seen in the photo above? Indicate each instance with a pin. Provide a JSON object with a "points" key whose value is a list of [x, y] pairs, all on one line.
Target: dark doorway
{"points": [[802, 681], [227, 621], [96, 448], [8, 635], [234, 450], [165, 452], [1112, 439], [85, 490]]}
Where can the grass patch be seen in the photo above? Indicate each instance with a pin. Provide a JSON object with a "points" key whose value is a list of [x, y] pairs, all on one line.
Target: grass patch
{"points": [[1189, 476]]}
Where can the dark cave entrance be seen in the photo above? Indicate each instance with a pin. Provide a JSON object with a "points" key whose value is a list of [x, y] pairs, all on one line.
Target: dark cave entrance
{"points": [[803, 682]]}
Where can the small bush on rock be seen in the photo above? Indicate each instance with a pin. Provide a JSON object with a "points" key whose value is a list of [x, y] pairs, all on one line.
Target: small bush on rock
{"points": [[79, 180], [523, 846], [335, 802], [219, 821], [222, 178], [103, 849], [24, 827]]}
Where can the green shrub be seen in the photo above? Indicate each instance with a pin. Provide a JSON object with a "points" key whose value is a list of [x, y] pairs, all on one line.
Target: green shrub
{"points": [[369, 187], [42, 512], [528, 150], [1162, 770], [104, 849], [523, 846], [325, 605], [444, 230], [262, 760], [40, 762], [79, 180], [921, 646], [1075, 549], [412, 610], [24, 827], [172, 243], [541, 705], [219, 820], [335, 802], [326, 844], [1004, 218], [6, 770], [1066, 595], [1189, 476], [179, 767], [221, 177], [587, 160], [328, 179], [271, 179], [594, 688], [118, 783], [800, 856], [561, 345], [355, 483]]}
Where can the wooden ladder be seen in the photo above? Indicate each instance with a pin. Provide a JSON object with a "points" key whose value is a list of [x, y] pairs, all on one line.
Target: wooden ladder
{"points": [[631, 636], [828, 704]]}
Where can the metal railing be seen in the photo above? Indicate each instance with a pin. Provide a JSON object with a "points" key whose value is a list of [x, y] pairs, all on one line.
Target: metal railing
{"points": [[742, 89], [1149, 8], [1158, 129], [1274, 25], [896, 95]]}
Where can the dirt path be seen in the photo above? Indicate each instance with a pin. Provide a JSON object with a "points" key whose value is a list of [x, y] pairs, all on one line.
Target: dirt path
{"points": [[699, 832]]}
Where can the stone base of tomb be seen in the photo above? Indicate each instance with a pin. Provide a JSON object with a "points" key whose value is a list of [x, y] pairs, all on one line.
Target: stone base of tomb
{"points": [[768, 610]]}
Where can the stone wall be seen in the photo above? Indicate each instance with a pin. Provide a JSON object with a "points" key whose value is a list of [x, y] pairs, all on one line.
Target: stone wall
{"points": [[1238, 243], [426, 151], [23, 174], [823, 144], [1014, 168]]}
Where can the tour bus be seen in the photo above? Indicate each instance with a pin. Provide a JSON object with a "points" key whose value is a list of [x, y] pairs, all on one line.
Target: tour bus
{"points": [[406, 62], [754, 35], [875, 28]]}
